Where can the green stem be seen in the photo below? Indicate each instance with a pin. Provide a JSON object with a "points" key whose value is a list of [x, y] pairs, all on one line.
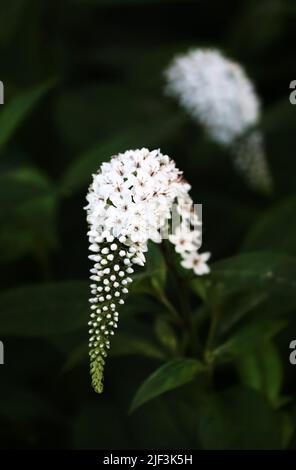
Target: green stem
{"points": [[166, 302], [41, 255], [190, 339], [210, 341]]}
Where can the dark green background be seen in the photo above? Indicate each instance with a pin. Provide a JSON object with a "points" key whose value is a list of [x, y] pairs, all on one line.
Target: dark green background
{"points": [[83, 80]]}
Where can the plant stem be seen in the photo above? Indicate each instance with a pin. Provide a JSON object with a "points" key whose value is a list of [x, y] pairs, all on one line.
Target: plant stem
{"points": [[42, 258], [210, 340], [189, 337], [165, 301]]}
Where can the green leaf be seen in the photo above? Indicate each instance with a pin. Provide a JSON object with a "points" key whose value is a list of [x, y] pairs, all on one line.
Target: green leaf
{"points": [[238, 419], [275, 230], [201, 286], [156, 267], [126, 344], [142, 284], [152, 280], [27, 207], [258, 284], [86, 114], [271, 272], [254, 285], [10, 15], [262, 370], [138, 304], [79, 172], [171, 375], [166, 334], [236, 308], [45, 309], [248, 338], [21, 187], [288, 429], [17, 109]]}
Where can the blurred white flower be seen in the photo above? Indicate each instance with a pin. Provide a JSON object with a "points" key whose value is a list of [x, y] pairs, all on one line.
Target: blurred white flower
{"points": [[219, 95], [216, 91]]}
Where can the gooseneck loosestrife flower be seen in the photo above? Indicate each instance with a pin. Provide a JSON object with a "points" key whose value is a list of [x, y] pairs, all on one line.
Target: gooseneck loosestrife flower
{"points": [[130, 202], [221, 98]]}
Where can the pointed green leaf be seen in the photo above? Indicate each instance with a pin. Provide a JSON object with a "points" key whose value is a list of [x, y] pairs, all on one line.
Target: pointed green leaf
{"points": [[126, 344], [27, 207], [156, 267], [14, 111], [265, 270], [262, 370], [248, 338], [171, 375], [45, 309], [275, 230], [238, 419], [10, 15], [166, 334]]}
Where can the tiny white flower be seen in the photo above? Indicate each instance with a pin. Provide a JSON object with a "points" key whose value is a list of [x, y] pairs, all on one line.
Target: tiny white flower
{"points": [[184, 240], [197, 262]]}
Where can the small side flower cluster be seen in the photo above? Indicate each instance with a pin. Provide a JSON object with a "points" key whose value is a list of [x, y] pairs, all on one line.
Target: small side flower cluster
{"points": [[221, 98], [130, 202]]}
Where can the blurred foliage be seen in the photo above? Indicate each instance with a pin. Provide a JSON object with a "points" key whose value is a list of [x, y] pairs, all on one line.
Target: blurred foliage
{"points": [[197, 363]]}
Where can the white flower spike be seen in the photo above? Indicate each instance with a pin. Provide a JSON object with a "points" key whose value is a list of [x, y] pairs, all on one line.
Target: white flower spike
{"points": [[221, 98], [130, 202]]}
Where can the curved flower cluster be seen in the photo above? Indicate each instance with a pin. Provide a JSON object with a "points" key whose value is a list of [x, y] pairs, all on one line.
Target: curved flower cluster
{"points": [[220, 97], [130, 202]]}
